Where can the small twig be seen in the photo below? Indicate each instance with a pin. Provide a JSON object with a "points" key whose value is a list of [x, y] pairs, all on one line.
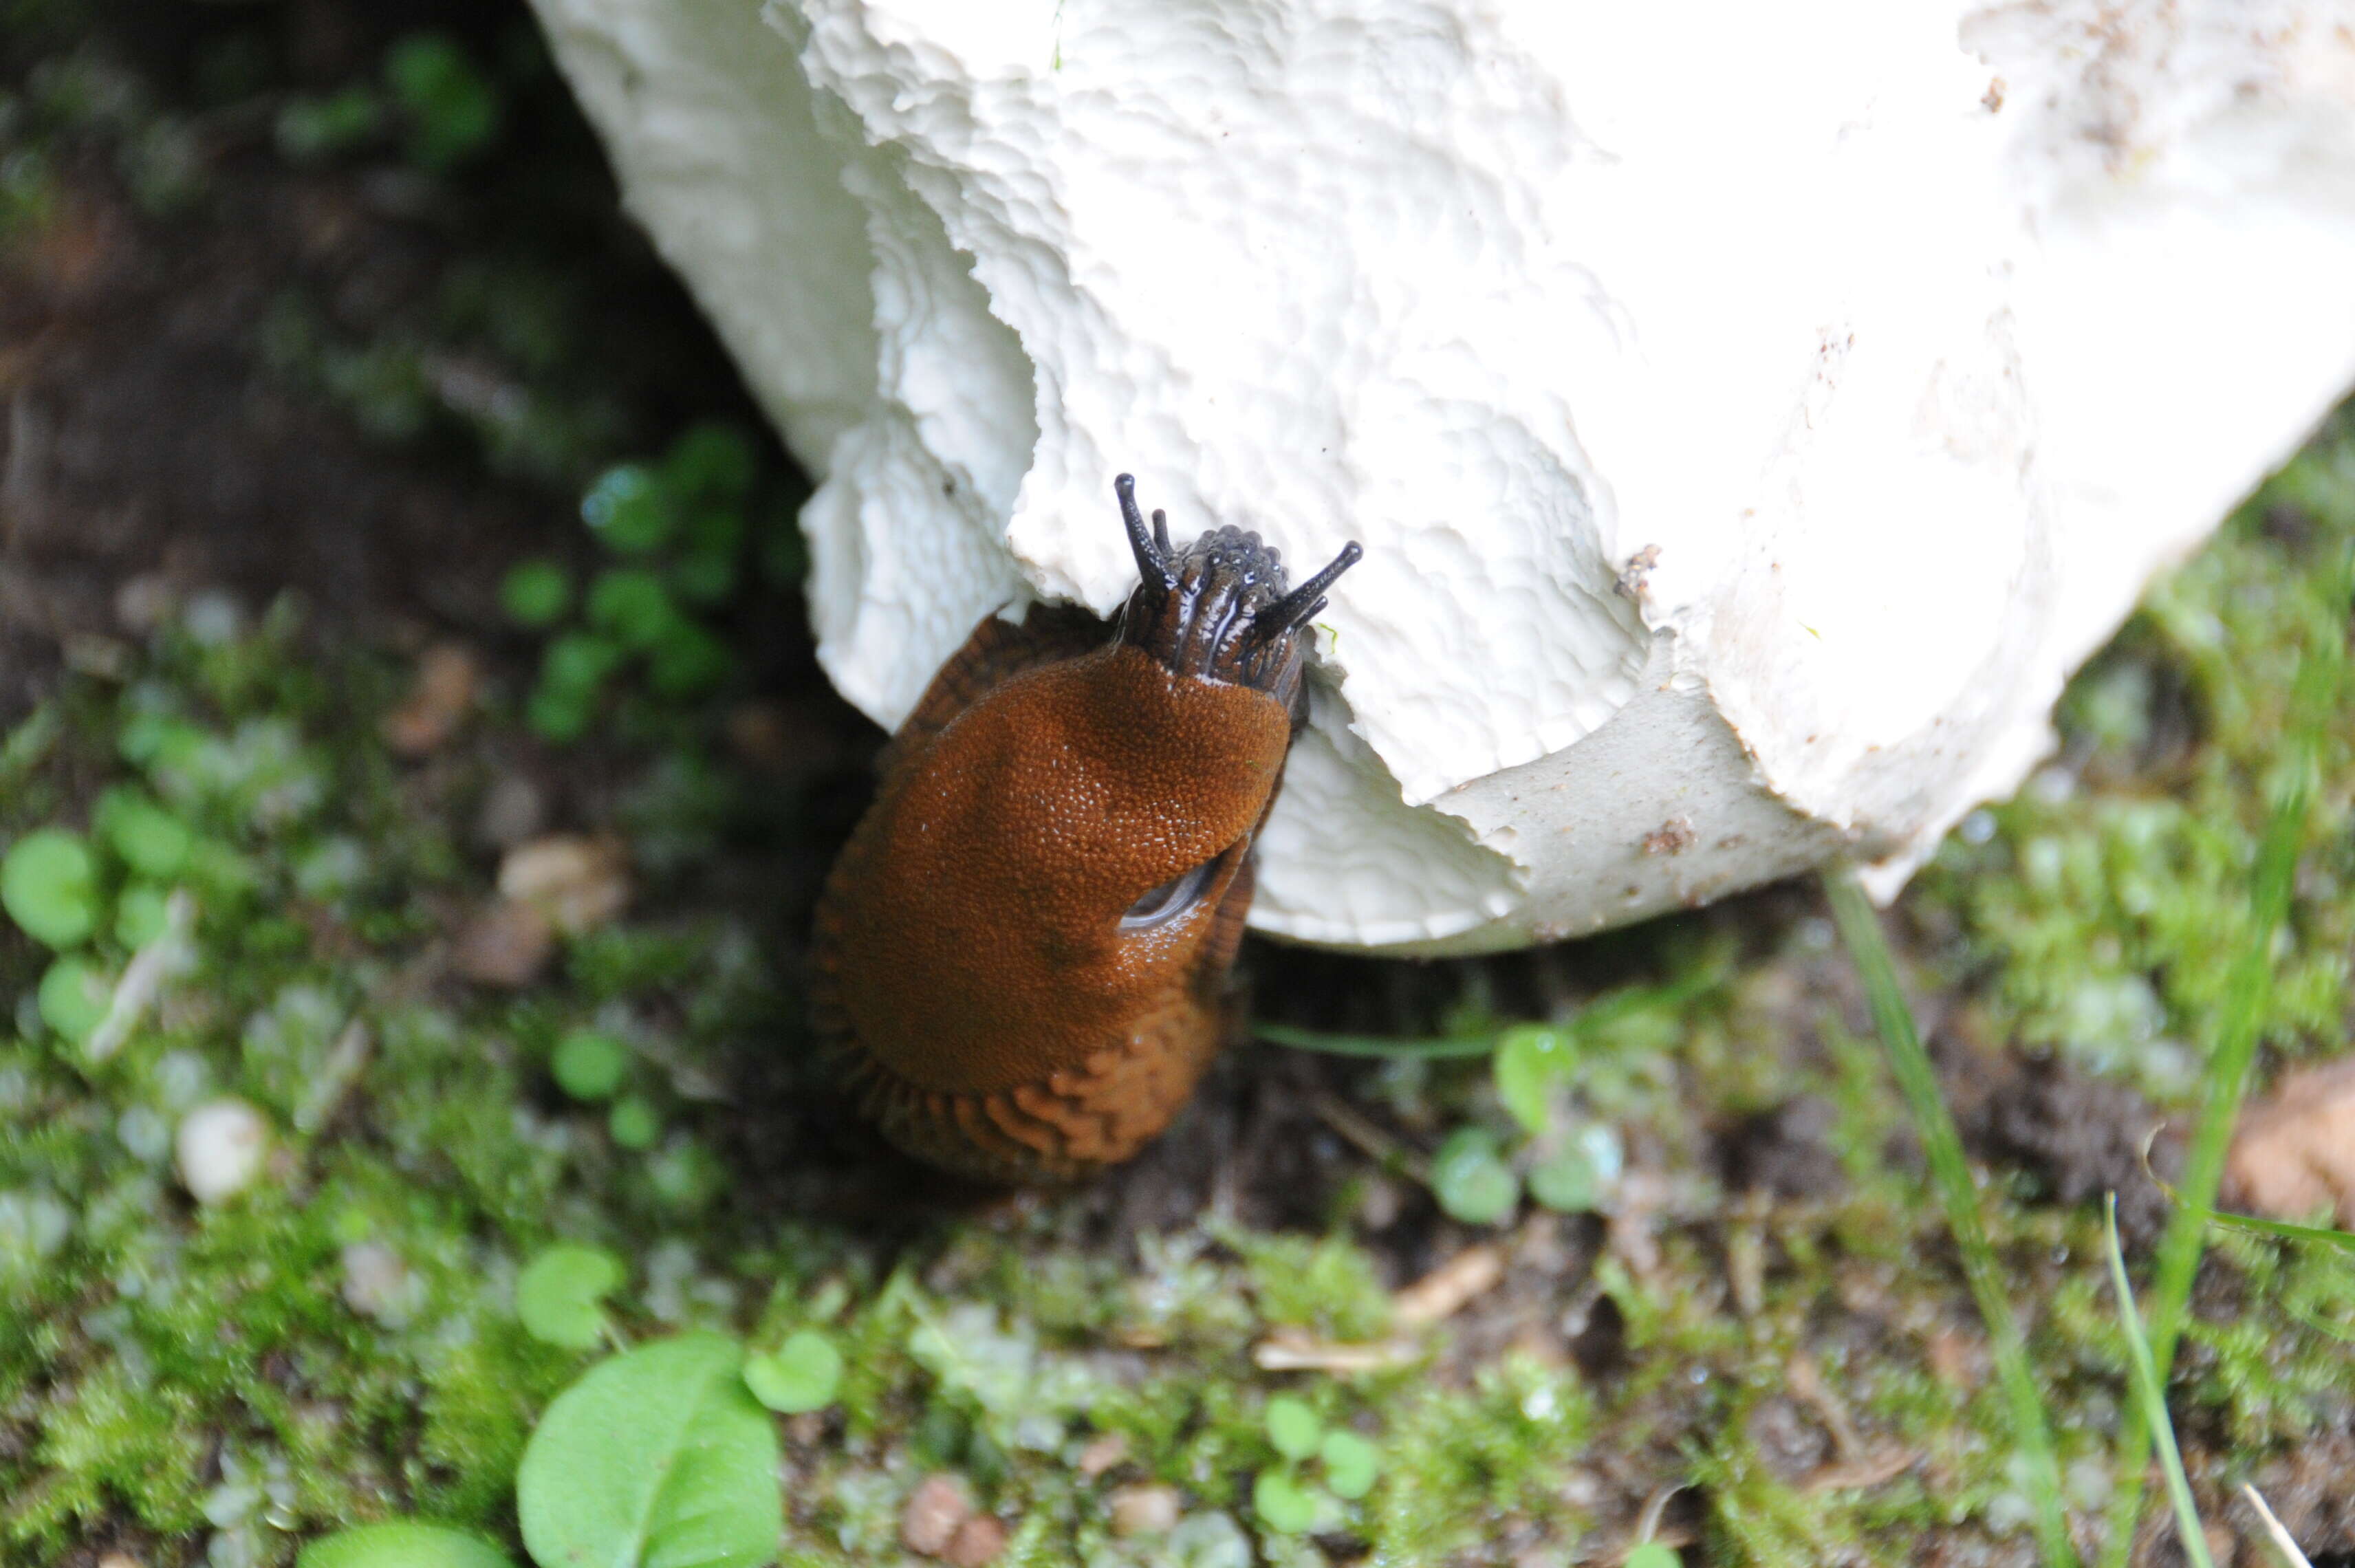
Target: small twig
{"points": [[337, 1075], [2274, 1531], [1371, 1140], [1290, 1351], [168, 953], [1647, 1520], [1445, 1290]]}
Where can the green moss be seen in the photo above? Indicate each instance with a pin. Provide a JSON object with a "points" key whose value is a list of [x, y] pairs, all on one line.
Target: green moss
{"points": [[341, 1343], [1324, 1283]]}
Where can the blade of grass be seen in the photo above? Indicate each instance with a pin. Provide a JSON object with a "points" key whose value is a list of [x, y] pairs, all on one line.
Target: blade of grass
{"points": [[2226, 1080], [1704, 975], [1950, 1174], [2150, 1396], [2316, 1235], [1434, 1049]]}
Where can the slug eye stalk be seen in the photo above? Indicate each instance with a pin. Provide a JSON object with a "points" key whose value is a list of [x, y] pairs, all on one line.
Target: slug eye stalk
{"points": [[1150, 548], [1300, 606]]}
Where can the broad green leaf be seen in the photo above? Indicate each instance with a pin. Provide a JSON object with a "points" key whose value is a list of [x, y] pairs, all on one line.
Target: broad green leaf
{"points": [[1471, 1180], [658, 1458], [1291, 1426], [401, 1544], [49, 887], [802, 1374], [1653, 1554], [1529, 1059], [558, 1293]]}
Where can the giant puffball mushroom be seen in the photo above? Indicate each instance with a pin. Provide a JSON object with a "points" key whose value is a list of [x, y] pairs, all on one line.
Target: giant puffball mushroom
{"points": [[1751, 414]]}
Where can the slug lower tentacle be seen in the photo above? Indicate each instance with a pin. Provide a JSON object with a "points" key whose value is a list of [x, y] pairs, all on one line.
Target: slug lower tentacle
{"points": [[1020, 954]]}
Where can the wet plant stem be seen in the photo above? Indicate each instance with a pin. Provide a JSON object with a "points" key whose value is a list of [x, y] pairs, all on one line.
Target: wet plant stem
{"points": [[1950, 1174]]}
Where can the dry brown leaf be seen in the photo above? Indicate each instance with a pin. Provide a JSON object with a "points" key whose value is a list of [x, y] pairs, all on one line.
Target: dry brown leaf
{"points": [[977, 1544], [935, 1511], [577, 883], [2293, 1157], [439, 700], [507, 943]]}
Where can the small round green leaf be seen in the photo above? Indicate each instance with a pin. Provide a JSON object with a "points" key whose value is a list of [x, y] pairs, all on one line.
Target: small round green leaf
{"points": [[453, 109], [559, 716], [633, 1123], [705, 573], [151, 840], [1282, 1504], [632, 605], [49, 886], [401, 1544], [141, 914], [1529, 1059], [74, 996], [711, 461], [1291, 1426], [689, 660], [577, 662], [802, 1374], [658, 1457], [630, 509], [1653, 1554], [557, 1295], [1351, 1464], [1471, 1180], [1566, 1182], [589, 1065], [687, 1176], [536, 594]]}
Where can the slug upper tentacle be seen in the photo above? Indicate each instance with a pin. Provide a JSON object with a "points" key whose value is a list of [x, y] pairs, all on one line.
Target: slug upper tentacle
{"points": [[1020, 953]]}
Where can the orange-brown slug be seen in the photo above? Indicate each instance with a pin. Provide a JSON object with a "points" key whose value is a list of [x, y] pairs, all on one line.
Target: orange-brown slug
{"points": [[1020, 954]]}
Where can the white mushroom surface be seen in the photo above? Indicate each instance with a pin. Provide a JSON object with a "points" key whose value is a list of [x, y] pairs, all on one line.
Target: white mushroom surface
{"points": [[1751, 414]]}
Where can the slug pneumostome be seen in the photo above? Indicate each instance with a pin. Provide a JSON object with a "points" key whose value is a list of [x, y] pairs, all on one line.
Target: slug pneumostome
{"points": [[1020, 954]]}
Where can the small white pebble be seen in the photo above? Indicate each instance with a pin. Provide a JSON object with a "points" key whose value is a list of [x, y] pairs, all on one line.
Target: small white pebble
{"points": [[221, 1146], [1142, 1510], [378, 1283]]}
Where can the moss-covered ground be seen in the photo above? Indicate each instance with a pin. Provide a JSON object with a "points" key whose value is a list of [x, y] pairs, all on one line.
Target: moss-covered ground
{"points": [[1740, 1328]]}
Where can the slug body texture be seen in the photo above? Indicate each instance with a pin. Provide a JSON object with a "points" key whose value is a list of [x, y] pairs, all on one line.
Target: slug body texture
{"points": [[1020, 957]]}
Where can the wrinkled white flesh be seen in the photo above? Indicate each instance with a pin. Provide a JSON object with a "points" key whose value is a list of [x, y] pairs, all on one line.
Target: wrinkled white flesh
{"points": [[1751, 414]]}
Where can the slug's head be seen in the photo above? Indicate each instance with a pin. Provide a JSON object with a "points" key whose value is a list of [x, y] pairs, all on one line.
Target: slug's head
{"points": [[1060, 871], [1221, 609]]}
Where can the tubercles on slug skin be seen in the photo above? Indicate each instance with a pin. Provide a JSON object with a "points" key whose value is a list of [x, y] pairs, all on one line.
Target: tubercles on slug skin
{"points": [[980, 966]]}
